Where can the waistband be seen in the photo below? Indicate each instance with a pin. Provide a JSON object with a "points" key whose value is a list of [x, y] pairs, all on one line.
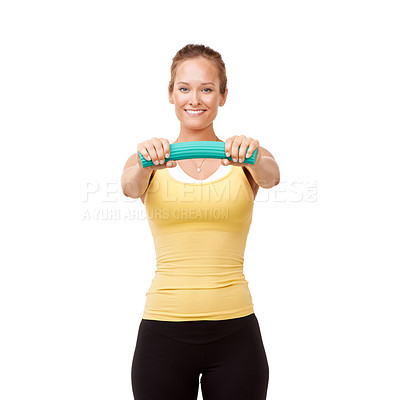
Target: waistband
{"points": [[197, 332]]}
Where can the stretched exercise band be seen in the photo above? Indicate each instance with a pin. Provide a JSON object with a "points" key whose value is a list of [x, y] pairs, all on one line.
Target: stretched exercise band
{"points": [[198, 149]]}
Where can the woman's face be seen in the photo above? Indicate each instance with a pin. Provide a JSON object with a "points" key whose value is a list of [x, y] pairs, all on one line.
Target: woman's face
{"points": [[196, 87]]}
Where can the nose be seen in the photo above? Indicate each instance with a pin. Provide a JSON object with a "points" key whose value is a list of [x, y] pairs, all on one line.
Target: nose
{"points": [[194, 101]]}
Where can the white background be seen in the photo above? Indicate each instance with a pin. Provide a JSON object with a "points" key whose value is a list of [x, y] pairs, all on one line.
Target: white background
{"points": [[83, 82]]}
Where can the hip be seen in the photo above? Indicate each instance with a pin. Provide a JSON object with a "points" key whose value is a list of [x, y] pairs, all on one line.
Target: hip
{"points": [[198, 304]]}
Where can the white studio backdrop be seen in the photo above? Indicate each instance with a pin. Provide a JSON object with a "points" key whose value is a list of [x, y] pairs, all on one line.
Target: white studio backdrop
{"points": [[83, 82]]}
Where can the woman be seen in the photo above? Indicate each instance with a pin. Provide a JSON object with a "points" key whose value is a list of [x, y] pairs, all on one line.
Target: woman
{"points": [[199, 318]]}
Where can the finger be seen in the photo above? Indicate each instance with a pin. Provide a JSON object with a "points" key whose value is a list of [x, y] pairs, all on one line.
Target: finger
{"points": [[250, 150], [159, 151], [235, 148], [165, 144], [243, 148], [151, 150], [143, 151], [228, 146]]}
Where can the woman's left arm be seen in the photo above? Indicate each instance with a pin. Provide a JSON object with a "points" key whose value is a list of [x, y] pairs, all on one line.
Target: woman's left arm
{"points": [[265, 171]]}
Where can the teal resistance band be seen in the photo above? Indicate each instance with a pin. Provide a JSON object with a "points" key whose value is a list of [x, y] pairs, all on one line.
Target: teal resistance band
{"points": [[198, 149]]}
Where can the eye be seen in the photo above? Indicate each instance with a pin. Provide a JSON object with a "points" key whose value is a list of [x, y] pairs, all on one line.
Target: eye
{"points": [[182, 88], [208, 89]]}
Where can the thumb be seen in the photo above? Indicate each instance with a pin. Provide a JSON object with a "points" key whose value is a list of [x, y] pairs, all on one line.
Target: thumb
{"points": [[171, 164], [225, 161]]}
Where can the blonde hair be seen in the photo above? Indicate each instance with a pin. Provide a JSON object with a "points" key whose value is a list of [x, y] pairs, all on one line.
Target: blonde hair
{"points": [[198, 50]]}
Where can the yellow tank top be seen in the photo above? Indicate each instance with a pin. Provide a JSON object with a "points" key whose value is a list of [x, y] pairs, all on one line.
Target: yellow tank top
{"points": [[199, 232]]}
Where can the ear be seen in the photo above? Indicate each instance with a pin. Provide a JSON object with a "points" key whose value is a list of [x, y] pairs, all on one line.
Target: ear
{"points": [[223, 99], [170, 98]]}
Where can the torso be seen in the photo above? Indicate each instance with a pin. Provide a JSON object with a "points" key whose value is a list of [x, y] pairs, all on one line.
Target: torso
{"points": [[207, 169]]}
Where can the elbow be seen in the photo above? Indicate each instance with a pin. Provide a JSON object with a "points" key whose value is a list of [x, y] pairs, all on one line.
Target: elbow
{"points": [[273, 182], [130, 189], [126, 192], [277, 179], [277, 176], [270, 184]]}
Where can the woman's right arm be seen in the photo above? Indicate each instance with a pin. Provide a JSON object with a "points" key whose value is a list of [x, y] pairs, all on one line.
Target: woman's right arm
{"points": [[135, 178]]}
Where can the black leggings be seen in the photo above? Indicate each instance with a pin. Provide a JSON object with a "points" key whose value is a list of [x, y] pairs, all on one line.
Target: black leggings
{"points": [[229, 354]]}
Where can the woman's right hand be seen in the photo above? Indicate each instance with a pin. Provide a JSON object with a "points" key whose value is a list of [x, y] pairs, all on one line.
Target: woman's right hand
{"points": [[156, 150]]}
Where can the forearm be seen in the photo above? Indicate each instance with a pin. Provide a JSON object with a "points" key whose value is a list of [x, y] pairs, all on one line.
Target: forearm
{"points": [[135, 179], [265, 171]]}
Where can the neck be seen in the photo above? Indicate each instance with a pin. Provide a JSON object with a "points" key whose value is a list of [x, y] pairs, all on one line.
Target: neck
{"points": [[192, 135]]}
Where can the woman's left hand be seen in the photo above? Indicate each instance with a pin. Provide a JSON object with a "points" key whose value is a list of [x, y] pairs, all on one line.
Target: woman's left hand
{"points": [[236, 147]]}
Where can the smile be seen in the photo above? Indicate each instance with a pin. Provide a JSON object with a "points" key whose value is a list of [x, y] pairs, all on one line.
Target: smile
{"points": [[195, 113]]}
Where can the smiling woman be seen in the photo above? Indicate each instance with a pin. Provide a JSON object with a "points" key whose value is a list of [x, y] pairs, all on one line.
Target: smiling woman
{"points": [[199, 91], [199, 317]]}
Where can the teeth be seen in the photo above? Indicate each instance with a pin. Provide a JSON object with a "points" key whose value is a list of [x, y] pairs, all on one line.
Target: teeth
{"points": [[195, 112]]}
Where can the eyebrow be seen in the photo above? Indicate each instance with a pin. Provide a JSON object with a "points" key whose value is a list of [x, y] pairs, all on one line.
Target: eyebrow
{"points": [[204, 83]]}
